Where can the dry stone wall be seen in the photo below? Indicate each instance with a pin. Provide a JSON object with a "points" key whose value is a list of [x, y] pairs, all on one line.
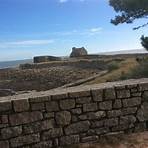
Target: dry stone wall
{"points": [[75, 115]]}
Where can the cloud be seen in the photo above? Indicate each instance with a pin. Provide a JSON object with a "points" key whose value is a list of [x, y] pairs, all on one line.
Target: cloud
{"points": [[25, 43], [85, 32]]}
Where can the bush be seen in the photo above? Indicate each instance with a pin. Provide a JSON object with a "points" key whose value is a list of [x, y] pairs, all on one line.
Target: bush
{"points": [[113, 66]]}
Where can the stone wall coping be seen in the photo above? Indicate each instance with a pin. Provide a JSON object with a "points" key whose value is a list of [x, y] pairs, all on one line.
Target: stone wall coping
{"points": [[71, 90]]}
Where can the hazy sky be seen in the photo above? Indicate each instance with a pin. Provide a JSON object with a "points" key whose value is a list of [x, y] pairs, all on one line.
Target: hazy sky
{"points": [[52, 27]]}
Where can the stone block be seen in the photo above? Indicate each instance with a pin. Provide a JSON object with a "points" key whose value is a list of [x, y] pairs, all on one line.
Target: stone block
{"points": [[121, 94], [114, 113], [83, 100], [5, 106], [25, 117], [63, 118], [38, 126], [103, 130], [49, 115], [142, 113], [69, 140], [97, 95], [131, 102], [96, 115], [11, 132], [95, 124], [111, 122], [117, 104], [76, 111], [77, 94], [127, 120], [43, 144], [37, 106], [109, 94], [24, 140], [20, 105], [67, 104], [4, 144], [90, 107], [106, 105], [129, 110], [40, 99], [52, 133], [89, 139], [78, 127], [52, 106]]}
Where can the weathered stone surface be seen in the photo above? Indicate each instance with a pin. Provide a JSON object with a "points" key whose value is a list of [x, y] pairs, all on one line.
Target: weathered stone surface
{"points": [[76, 111], [102, 130], [111, 122], [67, 104], [68, 140], [24, 140], [63, 118], [114, 113], [40, 99], [78, 52], [90, 138], [83, 117], [81, 93], [96, 115], [49, 115], [37, 106], [97, 95], [74, 119], [4, 144], [127, 120], [52, 133], [44, 144], [110, 94], [11, 132], [123, 94], [140, 127], [106, 105], [25, 117], [4, 119], [95, 124], [142, 113], [83, 100], [21, 105], [117, 104], [131, 102], [52, 106], [136, 94], [5, 106], [38, 126], [129, 110], [122, 127], [90, 107], [143, 86], [78, 127], [145, 96]]}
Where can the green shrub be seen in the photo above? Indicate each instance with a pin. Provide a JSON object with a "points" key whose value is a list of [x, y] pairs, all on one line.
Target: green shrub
{"points": [[113, 66]]}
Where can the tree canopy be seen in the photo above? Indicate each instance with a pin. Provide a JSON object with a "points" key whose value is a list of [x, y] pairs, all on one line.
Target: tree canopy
{"points": [[129, 10], [144, 42]]}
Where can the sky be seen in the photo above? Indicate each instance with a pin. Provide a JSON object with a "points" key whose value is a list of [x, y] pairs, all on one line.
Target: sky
{"points": [[31, 28]]}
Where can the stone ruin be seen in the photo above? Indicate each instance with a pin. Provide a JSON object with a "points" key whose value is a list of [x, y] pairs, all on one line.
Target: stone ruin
{"points": [[78, 52], [41, 59]]}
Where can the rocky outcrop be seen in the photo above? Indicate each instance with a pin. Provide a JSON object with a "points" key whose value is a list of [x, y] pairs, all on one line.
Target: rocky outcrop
{"points": [[41, 59], [78, 52]]}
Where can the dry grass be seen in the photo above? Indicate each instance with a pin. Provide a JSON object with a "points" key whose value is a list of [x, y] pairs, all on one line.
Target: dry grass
{"points": [[124, 68]]}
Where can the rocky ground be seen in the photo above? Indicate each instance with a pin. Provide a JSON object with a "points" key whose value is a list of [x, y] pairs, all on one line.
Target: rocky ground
{"points": [[137, 140], [43, 79]]}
